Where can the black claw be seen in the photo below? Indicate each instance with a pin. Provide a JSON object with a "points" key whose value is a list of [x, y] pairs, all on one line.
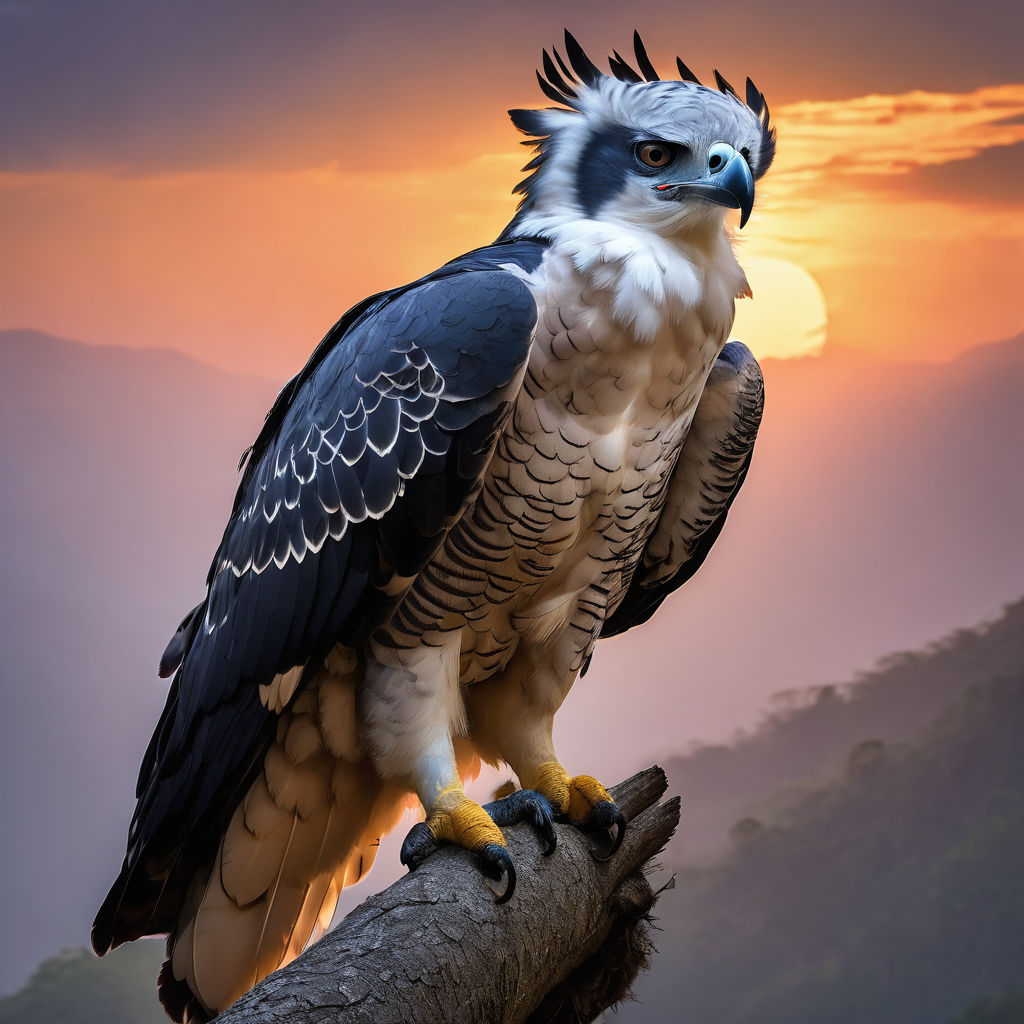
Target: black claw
{"points": [[496, 864], [529, 806], [606, 830], [418, 846], [499, 871], [545, 828]]}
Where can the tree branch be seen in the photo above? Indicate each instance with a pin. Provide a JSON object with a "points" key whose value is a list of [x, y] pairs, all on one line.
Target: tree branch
{"points": [[435, 947]]}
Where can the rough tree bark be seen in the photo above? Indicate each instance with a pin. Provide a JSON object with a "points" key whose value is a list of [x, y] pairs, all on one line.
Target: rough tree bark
{"points": [[434, 947]]}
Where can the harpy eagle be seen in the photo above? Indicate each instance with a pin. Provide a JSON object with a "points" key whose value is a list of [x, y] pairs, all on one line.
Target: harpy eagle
{"points": [[474, 478]]}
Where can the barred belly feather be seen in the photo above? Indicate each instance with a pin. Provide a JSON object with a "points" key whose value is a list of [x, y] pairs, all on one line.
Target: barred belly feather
{"points": [[576, 483]]}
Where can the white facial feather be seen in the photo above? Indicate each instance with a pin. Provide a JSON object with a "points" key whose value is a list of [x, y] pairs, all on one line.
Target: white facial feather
{"points": [[651, 254]]}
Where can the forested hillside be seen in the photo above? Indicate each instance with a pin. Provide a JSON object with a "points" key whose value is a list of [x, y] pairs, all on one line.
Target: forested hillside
{"points": [[806, 734], [892, 893], [121, 464], [869, 842], [75, 987]]}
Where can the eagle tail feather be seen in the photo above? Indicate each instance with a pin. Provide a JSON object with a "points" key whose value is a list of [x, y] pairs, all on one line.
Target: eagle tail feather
{"points": [[278, 875], [302, 833]]}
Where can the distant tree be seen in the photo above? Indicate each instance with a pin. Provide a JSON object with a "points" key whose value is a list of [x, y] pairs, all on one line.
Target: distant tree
{"points": [[1005, 1009], [746, 830], [896, 900], [75, 987], [865, 758]]}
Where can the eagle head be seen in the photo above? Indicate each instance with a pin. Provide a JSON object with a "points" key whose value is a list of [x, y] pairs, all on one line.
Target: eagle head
{"points": [[663, 156]]}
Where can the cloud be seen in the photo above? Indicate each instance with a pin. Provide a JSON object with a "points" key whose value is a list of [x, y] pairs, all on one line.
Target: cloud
{"points": [[144, 87], [828, 144], [252, 264], [233, 266], [903, 208], [991, 176]]}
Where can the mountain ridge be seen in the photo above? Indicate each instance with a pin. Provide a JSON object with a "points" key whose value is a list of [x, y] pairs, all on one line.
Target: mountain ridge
{"points": [[886, 891], [120, 468], [890, 892]]}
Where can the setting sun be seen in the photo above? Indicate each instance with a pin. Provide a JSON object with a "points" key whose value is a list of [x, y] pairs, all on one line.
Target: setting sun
{"points": [[787, 315]]}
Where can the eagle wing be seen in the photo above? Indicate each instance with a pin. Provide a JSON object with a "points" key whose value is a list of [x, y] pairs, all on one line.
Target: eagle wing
{"points": [[367, 458], [709, 474]]}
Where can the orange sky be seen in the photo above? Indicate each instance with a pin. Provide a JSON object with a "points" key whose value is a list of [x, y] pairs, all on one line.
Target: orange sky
{"points": [[226, 178], [888, 223]]}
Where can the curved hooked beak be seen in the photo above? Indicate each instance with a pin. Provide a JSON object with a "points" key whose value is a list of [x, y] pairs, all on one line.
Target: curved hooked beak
{"points": [[727, 183]]}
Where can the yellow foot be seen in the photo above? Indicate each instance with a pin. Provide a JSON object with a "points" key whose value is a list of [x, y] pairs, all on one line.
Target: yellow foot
{"points": [[586, 803], [454, 818]]}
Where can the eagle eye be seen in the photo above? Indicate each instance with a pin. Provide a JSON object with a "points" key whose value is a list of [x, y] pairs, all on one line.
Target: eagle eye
{"points": [[655, 154]]}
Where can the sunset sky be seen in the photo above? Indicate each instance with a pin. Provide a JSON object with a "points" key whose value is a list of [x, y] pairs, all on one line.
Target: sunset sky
{"points": [[225, 177], [225, 183]]}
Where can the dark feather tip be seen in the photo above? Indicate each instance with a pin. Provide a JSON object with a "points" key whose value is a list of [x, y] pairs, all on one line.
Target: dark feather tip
{"points": [[622, 70], [549, 90], [528, 122], [723, 85], [586, 70], [685, 73], [754, 98], [555, 78], [561, 63], [643, 61]]}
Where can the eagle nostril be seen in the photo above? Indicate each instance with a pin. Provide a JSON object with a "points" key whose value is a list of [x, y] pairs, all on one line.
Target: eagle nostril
{"points": [[715, 162]]}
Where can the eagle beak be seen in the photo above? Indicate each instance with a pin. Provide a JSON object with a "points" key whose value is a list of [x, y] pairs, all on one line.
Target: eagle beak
{"points": [[727, 183]]}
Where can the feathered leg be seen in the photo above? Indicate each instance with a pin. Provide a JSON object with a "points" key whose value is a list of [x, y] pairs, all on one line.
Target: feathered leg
{"points": [[410, 708], [511, 721]]}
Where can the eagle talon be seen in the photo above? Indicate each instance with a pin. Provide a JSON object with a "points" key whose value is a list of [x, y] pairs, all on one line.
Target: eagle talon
{"points": [[607, 830], [419, 844], [529, 806], [473, 827], [583, 802], [498, 870]]}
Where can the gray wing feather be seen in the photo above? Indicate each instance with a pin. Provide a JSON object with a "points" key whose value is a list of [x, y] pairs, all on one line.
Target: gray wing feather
{"points": [[711, 469]]}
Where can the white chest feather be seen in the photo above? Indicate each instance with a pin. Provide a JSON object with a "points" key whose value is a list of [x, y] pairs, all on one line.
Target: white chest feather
{"points": [[626, 336], [623, 346]]}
